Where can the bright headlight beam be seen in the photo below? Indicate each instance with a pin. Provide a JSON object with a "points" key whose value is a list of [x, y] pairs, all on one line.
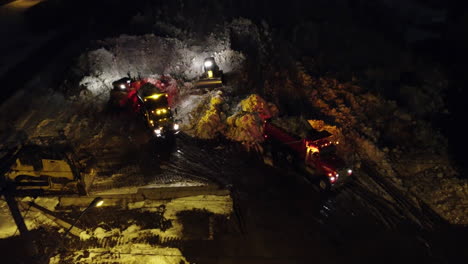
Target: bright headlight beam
{"points": [[208, 63], [157, 132]]}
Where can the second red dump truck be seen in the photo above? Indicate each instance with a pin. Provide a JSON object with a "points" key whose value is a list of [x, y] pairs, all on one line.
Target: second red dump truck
{"points": [[314, 155]]}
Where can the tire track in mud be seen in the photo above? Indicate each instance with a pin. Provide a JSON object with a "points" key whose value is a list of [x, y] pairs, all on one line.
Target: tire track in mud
{"points": [[418, 213], [222, 166], [204, 160], [223, 163], [183, 165], [377, 206], [387, 209]]}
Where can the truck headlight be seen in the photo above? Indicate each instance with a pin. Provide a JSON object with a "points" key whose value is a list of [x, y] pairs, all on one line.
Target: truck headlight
{"points": [[122, 86], [350, 171], [158, 132], [176, 126]]}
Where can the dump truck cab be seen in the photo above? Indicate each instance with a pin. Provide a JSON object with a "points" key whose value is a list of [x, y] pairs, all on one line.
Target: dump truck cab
{"points": [[154, 107], [321, 159]]}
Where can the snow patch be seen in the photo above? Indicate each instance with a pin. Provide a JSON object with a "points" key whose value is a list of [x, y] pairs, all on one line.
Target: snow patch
{"points": [[32, 219], [134, 253], [151, 55]]}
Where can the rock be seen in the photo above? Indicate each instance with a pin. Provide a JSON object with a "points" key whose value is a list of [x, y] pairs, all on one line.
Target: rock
{"points": [[256, 104]]}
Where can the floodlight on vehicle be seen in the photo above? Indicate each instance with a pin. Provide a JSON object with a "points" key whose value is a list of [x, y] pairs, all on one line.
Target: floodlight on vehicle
{"points": [[154, 96], [158, 131], [208, 63]]}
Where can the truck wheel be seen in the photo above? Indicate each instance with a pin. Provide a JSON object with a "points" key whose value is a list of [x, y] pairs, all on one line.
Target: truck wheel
{"points": [[324, 184]]}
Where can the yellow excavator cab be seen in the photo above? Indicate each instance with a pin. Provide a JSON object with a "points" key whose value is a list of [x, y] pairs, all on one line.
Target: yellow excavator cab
{"points": [[212, 75]]}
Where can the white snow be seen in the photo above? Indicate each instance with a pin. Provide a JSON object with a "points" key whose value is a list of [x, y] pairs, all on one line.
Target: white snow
{"points": [[150, 56], [124, 190], [32, 218], [130, 252]]}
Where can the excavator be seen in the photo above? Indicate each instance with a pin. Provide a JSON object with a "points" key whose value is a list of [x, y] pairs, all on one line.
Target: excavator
{"points": [[212, 76]]}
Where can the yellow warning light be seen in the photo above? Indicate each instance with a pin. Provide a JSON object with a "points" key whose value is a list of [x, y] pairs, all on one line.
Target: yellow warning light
{"points": [[312, 149], [210, 74], [155, 96], [161, 111]]}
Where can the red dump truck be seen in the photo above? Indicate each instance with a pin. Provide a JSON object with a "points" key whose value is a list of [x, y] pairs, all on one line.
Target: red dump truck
{"points": [[151, 99], [315, 154]]}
